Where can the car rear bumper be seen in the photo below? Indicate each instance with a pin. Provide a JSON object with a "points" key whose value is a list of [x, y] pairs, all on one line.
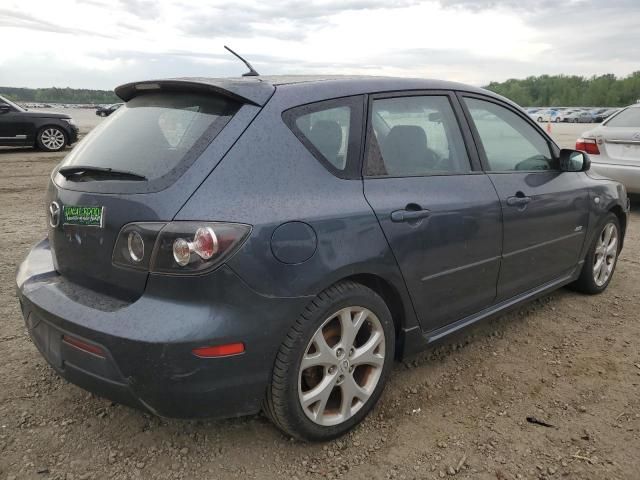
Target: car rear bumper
{"points": [[146, 359], [628, 175]]}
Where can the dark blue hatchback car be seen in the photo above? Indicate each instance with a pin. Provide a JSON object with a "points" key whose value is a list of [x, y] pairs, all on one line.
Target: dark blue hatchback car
{"points": [[221, 246]]}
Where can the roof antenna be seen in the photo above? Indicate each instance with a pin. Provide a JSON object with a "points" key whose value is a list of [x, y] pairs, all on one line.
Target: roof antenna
{"points": [[252, 72]]}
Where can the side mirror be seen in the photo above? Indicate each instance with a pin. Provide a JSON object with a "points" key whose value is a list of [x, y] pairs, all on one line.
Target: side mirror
{"points": [[574, 161], [4, 108]]}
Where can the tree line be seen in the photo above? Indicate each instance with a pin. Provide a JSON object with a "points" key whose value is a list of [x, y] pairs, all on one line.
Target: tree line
{"points": [[544, 90], [571, 91], [58, 95]]}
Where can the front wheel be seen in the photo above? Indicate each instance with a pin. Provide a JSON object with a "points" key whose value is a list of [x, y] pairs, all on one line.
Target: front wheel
{"points": [[51, 139], [332, 366], [600, 262]]}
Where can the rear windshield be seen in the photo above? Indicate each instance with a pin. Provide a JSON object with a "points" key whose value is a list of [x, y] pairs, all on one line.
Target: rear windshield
{"points": [[155, 135], [629, 117]]}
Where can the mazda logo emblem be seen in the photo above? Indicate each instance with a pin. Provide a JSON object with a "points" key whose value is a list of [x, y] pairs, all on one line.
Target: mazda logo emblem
{"points": [[54, 214]]}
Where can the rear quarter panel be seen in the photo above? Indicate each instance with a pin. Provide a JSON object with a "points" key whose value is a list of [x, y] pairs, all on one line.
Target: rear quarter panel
{"points": [[270, 178], [605, 195]]}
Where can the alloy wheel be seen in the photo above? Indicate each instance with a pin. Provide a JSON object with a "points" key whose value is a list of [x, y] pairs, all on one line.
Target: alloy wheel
{"points": [[606, 252], [52, 138], [341, 366]]}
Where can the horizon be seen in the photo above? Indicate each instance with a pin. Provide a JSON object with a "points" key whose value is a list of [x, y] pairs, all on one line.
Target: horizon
{"points": [[618, 77], [98, 44]]}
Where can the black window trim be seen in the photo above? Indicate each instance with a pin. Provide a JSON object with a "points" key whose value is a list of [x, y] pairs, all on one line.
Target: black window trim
{"points": [[467, 138], [356, 105], [553, 148]]}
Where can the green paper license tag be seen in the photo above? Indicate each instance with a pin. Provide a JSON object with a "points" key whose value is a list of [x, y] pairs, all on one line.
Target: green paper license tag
{"points": [[86, 216]]}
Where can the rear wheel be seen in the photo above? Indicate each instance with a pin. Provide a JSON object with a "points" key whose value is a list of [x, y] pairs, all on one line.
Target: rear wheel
{"points": [[557, 120], [51, 139], [539, 119], [600, 262], [332, 366]]}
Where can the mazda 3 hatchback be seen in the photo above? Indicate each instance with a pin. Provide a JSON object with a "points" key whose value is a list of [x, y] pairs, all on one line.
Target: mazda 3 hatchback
{"points": [[221, 246]]}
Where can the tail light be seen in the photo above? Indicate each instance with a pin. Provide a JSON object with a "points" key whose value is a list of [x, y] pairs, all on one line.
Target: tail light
{"points": [[180, 248], [588, 145]]}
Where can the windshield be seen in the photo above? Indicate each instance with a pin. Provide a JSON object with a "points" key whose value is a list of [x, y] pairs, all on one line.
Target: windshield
{"points": [[155, 134], [629, 117], [14, 105]]}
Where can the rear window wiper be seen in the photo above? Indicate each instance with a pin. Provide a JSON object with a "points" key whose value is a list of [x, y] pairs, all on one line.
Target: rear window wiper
{"points": [[71, 172]]}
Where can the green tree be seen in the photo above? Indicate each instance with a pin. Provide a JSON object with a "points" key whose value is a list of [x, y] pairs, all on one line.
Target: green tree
{"points": [[568, 91]]}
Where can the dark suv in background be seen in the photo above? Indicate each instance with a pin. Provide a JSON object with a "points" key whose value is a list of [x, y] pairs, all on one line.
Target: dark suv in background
{"points": [[222, 246], [107, 110], [45, 130]]}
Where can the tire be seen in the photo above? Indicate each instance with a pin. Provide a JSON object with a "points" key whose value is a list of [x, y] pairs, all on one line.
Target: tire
{"points": [[539, 119], [594, 280], [557, 120], [51, 139], [318, 337]]}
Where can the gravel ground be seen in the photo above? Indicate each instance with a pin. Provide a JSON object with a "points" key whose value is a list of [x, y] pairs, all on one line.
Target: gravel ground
{"points": [[458, 410]]}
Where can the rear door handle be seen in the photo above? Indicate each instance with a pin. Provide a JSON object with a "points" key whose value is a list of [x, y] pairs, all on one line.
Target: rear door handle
{"points": [[519, 200], [409, 215]]}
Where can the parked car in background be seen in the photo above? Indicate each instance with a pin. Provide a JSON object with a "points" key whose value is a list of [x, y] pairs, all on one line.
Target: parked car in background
{"points": [[45, 130], [544, 115], [579, 116], [107, 110], [563, 114], [225, 245], [614, 147], [602, 115]]}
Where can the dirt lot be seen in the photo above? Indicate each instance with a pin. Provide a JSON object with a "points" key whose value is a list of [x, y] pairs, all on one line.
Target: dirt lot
{"points": [[457, 411]]}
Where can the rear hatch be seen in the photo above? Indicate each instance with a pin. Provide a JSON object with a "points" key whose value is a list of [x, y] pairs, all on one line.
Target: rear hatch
{"points": [[139, 165]]}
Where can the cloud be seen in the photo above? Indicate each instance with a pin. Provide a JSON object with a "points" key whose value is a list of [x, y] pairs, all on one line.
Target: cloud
{"points": [[16, 19], [288, 20], [145, 9]]}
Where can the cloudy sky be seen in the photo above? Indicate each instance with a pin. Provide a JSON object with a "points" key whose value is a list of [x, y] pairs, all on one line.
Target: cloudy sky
{"points": [[103, 43]]}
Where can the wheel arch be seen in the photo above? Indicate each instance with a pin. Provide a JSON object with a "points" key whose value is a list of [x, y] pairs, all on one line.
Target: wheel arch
{"points": [[622, 218], [409, 337]]}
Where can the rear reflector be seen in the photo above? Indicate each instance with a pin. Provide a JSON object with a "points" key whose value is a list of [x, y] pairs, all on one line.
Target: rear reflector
{"points": [[219, 350], [588, 145], [80, 345]]}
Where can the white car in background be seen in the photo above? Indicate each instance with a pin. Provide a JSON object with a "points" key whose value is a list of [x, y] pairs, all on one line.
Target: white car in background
{"points": [[544, 115], [614, 147]]}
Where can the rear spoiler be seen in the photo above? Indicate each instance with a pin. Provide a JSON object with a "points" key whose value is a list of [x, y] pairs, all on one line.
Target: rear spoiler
{"points": [[253, 91]]}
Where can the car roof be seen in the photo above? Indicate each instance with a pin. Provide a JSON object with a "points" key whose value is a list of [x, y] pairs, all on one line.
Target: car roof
{"points": [[258, 89]]}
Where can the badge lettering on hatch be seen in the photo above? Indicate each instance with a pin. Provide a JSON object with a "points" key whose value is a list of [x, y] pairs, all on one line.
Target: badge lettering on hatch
{"points": [[85, 216]]}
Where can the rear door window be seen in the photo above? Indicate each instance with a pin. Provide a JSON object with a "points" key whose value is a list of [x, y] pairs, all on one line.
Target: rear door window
{"points": [[415, 136], [155, 134]]}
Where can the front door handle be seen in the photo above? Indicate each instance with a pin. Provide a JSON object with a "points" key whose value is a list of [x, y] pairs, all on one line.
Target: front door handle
{"points": [[409, 215], [519, 200]]}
